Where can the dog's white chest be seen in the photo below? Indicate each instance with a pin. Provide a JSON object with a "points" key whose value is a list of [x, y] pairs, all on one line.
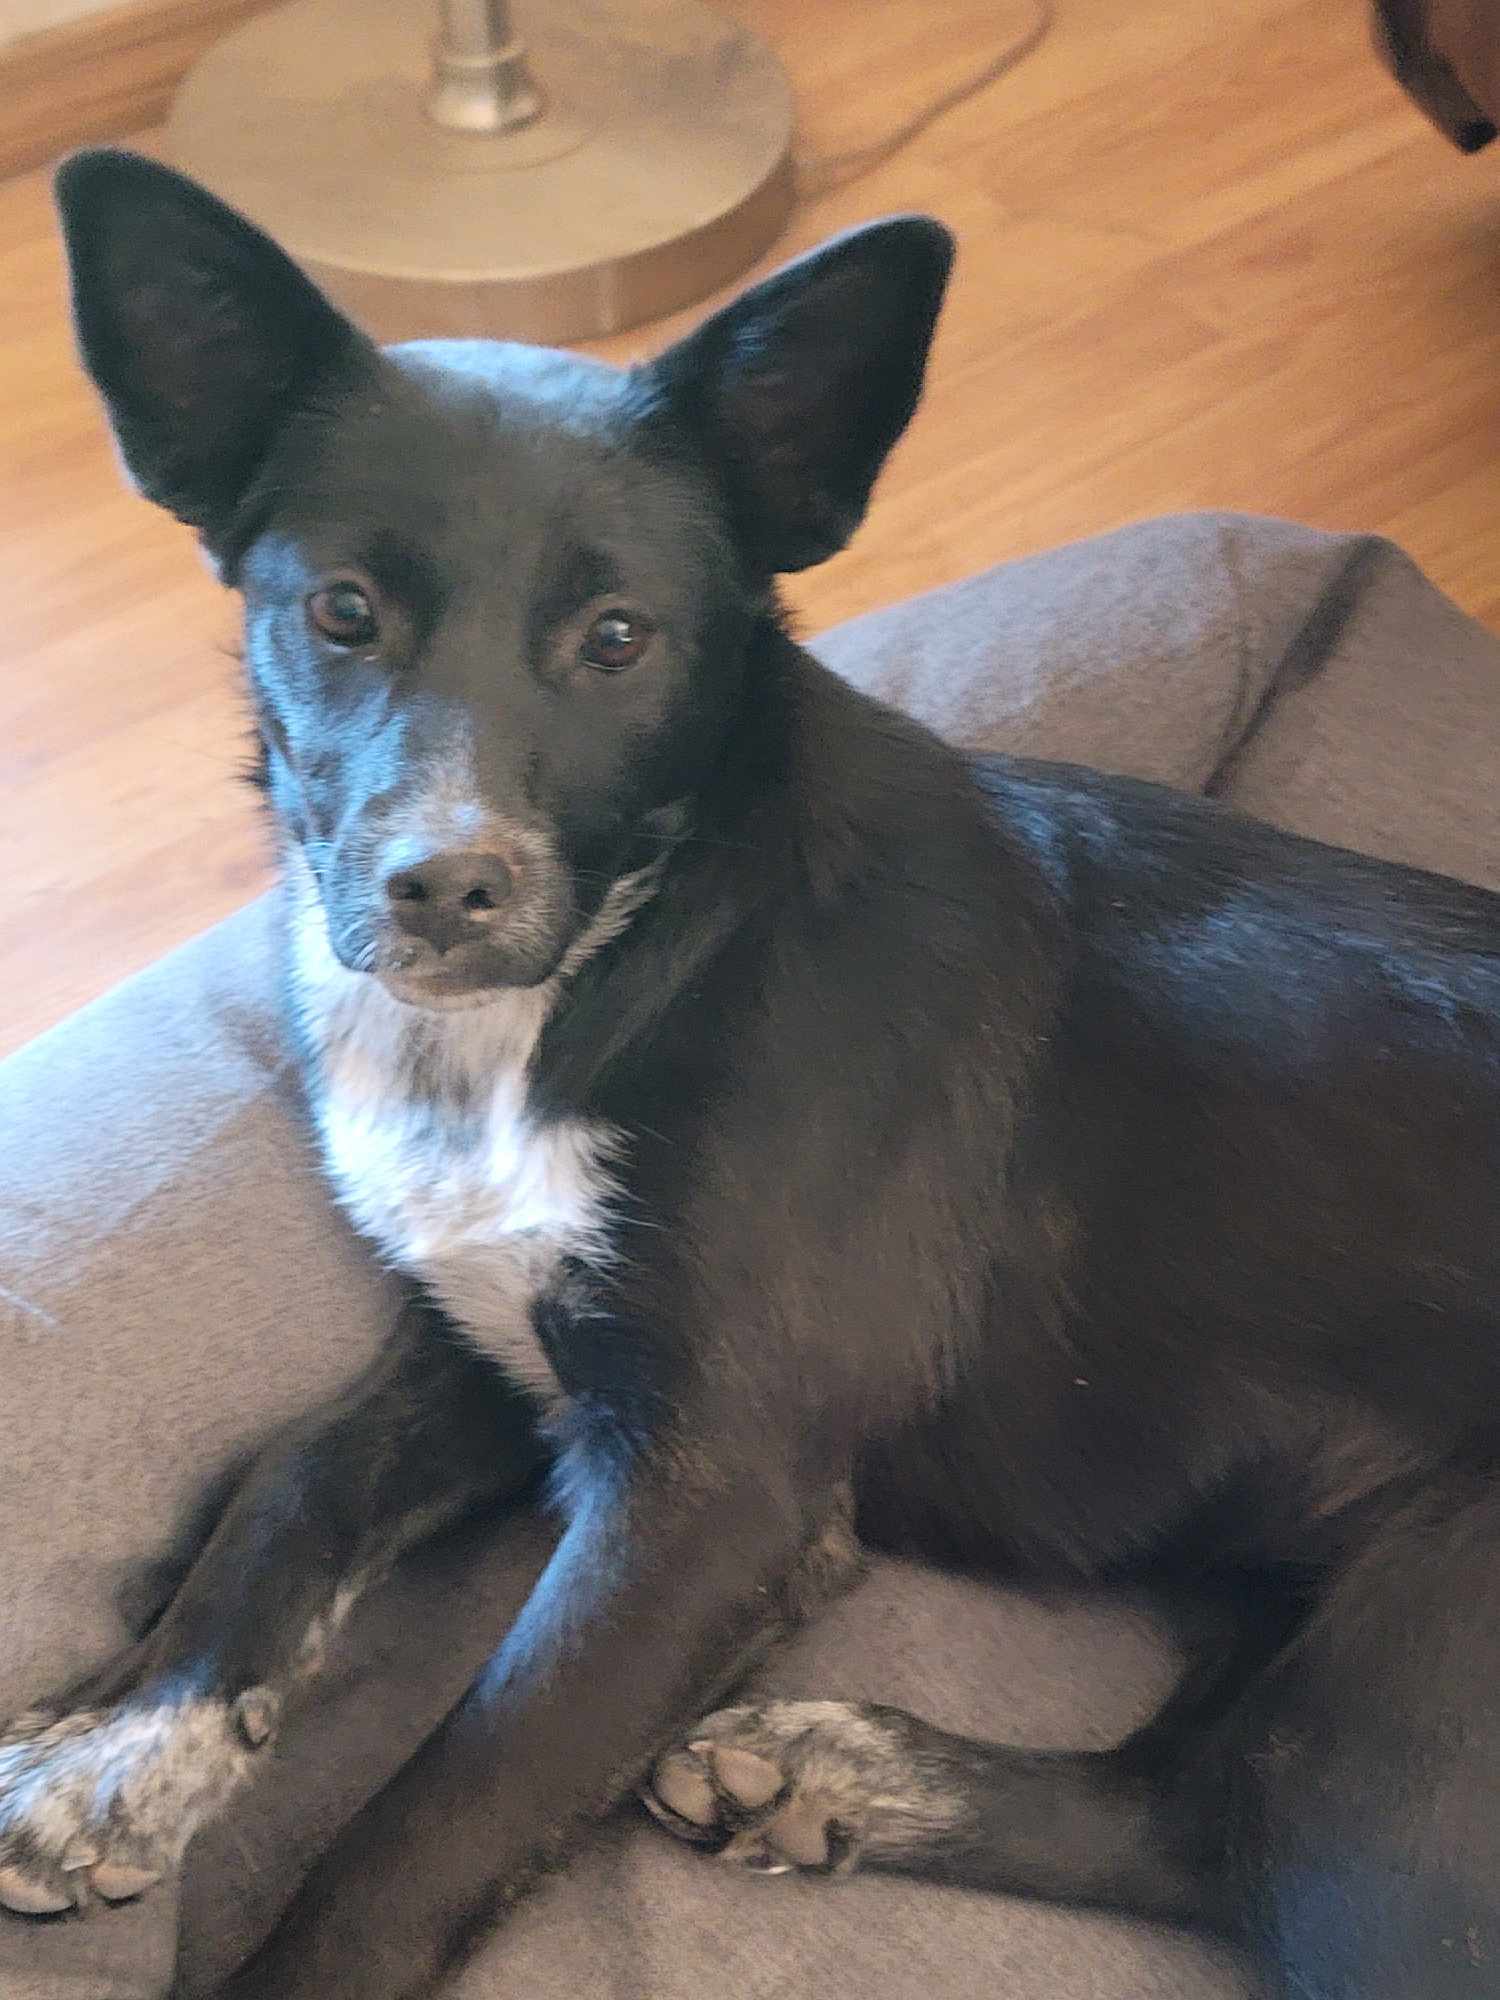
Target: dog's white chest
{"points": [[438, 1159], [483, 1221]]}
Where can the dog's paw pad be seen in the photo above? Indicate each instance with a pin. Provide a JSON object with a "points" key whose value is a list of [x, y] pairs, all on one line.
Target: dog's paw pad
{"points": [[36, 1892], [101, 1804], [807, 1785], [750, 1780], [804, 1834], [683, 1785], [119, 1882]]}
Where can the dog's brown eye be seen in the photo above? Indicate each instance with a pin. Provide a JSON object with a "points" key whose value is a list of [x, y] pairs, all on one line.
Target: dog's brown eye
{"points": [[343, 613], [616, 640]]}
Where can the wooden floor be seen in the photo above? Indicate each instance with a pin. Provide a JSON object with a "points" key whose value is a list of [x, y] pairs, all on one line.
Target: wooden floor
{"points": [[1209, 258]]}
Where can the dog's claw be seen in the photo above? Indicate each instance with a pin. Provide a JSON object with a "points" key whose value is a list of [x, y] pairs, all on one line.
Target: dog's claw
{"points": [[256, 1713], [28, 1897], [759, 1861]]}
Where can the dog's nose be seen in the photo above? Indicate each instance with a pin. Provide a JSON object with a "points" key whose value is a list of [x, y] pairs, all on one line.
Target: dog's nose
{"points": [[450, 898]]}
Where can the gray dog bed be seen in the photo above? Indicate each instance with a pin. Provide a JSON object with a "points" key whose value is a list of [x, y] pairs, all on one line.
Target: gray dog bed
{"points": [[174, 1281]]}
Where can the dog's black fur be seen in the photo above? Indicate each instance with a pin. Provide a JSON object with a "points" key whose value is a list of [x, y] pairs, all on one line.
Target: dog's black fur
{"points": [[1106, 1183]]}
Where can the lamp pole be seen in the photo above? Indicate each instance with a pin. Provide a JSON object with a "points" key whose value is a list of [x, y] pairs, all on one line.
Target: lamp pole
{"points": [[480, 79]]}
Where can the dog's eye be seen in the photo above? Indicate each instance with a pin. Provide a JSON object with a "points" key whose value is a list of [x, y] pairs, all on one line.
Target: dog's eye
{"points": [[343, 613], [616, 640]]}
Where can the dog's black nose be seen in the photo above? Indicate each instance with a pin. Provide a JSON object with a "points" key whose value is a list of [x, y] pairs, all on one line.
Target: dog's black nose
{"points": [[450, 898]]}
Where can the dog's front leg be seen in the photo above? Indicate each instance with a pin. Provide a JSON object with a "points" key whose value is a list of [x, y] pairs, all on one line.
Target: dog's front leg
{"points": [[669, 1573], [101, 1790]]}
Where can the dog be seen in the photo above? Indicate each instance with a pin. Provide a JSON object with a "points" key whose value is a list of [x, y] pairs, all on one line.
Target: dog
{"points": [[797, 1135]]}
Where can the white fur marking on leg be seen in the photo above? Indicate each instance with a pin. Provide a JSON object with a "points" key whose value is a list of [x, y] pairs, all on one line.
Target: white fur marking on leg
{"points": [[112, 1797]]}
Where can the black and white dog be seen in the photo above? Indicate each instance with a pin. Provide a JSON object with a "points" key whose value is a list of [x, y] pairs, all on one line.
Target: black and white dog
{"points": [[796, 1116]]}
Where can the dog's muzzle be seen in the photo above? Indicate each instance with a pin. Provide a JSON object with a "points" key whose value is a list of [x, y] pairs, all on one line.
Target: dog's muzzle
{"points": [[447, 924], [458, 921]]}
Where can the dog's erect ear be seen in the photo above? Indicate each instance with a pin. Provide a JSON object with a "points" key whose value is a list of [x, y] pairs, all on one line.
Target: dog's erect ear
{"points": [[799, 388], [201, 336]]}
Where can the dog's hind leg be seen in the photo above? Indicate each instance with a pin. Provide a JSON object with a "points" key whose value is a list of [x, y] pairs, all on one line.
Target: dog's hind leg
{"points": [[101, 1791], [1363, 1770], [828, 1786], [1330, 1804]]}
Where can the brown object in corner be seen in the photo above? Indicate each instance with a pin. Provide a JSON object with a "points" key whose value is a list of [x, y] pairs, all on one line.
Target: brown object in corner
{"points": [[104, 75], [1446, 53]]}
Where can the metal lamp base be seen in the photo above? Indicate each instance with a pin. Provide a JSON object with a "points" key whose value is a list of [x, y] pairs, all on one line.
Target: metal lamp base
{"points": [[657, 168]]}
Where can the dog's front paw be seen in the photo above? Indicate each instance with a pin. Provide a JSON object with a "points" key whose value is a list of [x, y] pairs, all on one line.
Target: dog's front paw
{"points": [[104, 1801], [815, 1785]]}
